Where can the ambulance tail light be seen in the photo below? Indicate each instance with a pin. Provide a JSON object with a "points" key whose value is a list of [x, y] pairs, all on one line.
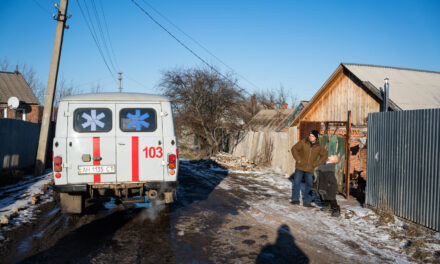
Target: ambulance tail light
{"points": [[172, 161], [57, 161]]}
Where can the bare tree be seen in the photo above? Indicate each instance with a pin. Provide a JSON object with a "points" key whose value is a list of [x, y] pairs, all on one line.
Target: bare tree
{"points": [[64, 89], [274, 99], [96, 88], [204, 102], [5, 66], [34, 83]]}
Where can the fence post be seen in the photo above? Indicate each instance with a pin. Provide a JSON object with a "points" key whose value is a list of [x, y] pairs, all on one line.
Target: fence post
{"points": [[347, 156]]}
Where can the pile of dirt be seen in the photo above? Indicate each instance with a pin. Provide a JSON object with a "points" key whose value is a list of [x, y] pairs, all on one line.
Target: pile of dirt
{"points": [[188, 153], [417, 241], [235, 163], [386, 216]]}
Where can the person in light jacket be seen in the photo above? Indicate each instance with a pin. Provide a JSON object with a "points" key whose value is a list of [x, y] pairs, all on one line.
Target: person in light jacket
{"points": [[305, 153]]}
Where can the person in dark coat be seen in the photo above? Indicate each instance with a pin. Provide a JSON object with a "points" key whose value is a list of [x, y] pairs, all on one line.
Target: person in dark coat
{"points": [[306, 153], [328, 185]]}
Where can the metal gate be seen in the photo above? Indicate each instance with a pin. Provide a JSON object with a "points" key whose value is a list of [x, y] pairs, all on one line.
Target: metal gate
{"points": [[403, 164]]}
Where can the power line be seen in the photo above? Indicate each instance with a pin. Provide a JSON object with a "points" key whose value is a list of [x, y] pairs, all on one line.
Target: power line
{"points": [[41, 7], [91, 29], [182, 44], [108, 35], [104, 41], [200, 45], [91, 82], [139, 83]]}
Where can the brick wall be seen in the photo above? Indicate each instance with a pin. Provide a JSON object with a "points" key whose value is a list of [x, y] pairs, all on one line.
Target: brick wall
{"points": [[32, 112], [358, 148]]}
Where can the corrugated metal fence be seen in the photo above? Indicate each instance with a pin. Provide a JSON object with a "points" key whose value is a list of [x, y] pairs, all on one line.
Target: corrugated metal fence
{"points": [[403, 164]]}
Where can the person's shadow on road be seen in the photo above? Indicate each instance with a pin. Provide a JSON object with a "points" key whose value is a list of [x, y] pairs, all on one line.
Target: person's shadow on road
{"points": [[283, 251]]}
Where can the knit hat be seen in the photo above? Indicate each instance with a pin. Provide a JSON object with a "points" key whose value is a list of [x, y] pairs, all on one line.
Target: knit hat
{"points": [[315, 133]]}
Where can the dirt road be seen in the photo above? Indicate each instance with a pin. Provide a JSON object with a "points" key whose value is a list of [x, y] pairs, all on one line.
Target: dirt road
{"points": [[220, 216]]}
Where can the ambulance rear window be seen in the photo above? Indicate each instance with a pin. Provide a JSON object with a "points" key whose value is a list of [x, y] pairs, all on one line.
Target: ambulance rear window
{"points": [[88, 120], [137, 120]]}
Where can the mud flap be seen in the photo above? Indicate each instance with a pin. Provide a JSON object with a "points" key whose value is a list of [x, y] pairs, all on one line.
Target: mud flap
{"points": [[71, 203]]}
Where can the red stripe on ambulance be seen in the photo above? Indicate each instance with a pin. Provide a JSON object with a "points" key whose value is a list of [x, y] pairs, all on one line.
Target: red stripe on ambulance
{"points": [[135, 158], [96, 153]]}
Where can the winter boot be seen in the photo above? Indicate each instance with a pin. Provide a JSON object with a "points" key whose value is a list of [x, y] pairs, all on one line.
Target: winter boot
{"points": [[336, 212], [326, 208]]}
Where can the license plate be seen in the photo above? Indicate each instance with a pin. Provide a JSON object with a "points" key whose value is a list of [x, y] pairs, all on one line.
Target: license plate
{"points": [[101, 169]]}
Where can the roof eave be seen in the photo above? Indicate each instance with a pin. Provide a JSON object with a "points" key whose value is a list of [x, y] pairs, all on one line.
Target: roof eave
{"points": [[378, 96], [317, 95]]}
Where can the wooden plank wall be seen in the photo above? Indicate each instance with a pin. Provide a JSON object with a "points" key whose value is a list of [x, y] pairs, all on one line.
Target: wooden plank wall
{"points": [[343, 95]]}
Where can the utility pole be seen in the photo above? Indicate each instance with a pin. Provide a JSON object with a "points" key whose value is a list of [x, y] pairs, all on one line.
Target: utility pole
{"points": [[120, 79], [50, 90]]}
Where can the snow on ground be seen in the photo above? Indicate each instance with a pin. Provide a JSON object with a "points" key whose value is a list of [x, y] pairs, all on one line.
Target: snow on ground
{"points": [[19, 196], [355, 234], [359, 233]]}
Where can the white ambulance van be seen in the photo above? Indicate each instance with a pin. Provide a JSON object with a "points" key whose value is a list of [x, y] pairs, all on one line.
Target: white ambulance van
{"points": [[119, 145]]}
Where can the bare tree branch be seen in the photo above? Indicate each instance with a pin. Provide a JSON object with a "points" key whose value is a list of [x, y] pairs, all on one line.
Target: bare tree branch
{"points": [[274, 99], [64, 89], [205, 103]]}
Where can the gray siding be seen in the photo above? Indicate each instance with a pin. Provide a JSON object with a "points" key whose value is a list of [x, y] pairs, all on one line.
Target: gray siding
{"points": [[403, 164]]}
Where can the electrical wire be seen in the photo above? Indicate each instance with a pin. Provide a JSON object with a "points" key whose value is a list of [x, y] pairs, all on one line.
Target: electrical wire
{"points": [[41, 7], [93, 28], [139, 83], [200, 45], [93, 33], [183, 44], [108, 35], [91, 82], [104, 41]]}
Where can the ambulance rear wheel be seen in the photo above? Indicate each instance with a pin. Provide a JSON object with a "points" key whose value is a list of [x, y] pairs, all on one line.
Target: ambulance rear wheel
{"points": [[71, 203]]}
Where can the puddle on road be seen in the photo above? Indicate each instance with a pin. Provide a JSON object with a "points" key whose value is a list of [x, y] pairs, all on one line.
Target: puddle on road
{"points": [[248, 242], [54, 211], [242, 228], [39, 235], [24, 246], [111, 204]]}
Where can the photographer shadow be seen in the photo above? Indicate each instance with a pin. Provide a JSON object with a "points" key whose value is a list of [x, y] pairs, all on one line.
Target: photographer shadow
{"points": [[283, 251]]}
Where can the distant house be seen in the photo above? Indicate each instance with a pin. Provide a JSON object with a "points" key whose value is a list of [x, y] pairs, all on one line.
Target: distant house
{"points": [[267, 139], [358, 88], [268, 120], [13, 84], [297, 111]]}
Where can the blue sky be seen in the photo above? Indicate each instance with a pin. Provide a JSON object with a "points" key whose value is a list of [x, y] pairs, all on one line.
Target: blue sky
{"points": [[294, 43]]}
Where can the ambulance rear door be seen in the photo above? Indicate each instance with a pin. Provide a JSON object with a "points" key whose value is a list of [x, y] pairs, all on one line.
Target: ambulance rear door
{"points": [[139, 142], [91, 151]]}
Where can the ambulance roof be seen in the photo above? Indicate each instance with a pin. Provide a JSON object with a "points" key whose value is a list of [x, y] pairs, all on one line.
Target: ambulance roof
{"points": [[117, 97]]}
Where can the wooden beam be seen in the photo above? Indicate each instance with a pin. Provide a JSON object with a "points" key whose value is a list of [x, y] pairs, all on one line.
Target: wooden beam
{"points": [[347, 156]]}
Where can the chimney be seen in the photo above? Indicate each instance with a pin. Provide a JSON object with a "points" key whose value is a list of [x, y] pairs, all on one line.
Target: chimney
{"points": [[285, 105], [254, 104], [387, 94]]}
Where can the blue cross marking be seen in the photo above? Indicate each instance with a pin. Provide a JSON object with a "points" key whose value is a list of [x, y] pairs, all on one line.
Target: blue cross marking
{"points": [[138, 120]]}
